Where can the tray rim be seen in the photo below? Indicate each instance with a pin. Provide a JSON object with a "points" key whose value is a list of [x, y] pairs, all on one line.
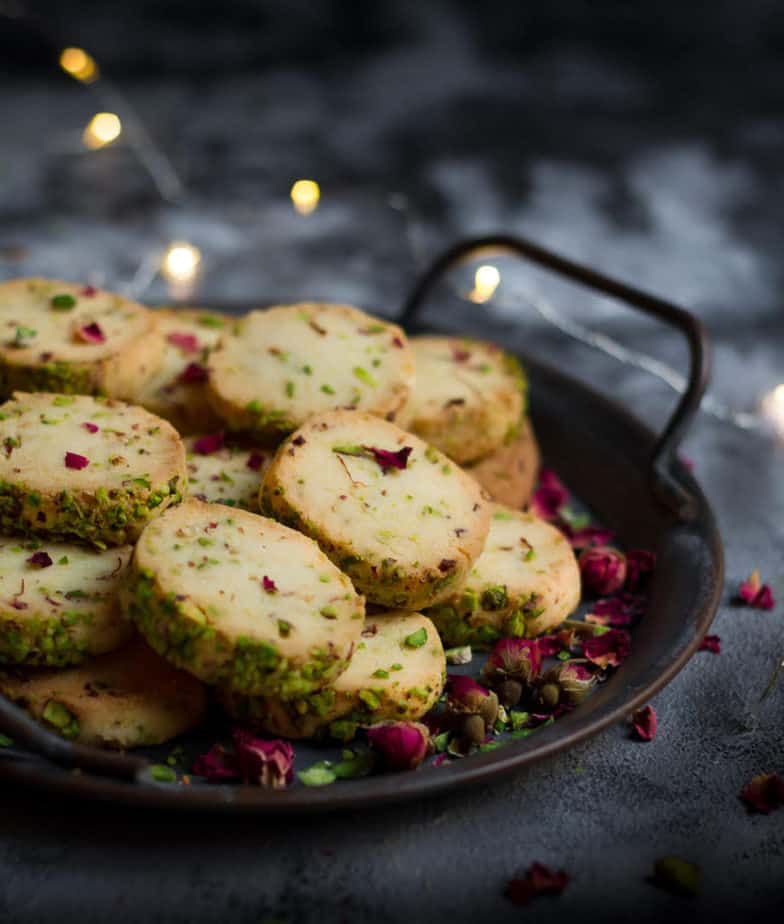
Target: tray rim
{"points": [[397, 787]]}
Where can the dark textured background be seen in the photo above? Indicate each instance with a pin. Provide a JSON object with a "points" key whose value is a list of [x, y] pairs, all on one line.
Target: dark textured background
{"points": [[646, 139]]}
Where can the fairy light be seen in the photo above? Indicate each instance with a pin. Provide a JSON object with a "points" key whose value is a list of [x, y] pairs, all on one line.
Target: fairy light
{"points": [[305, 195], [102, 129], [79, 64], [773, 408], [486, 281], [180, 262]]}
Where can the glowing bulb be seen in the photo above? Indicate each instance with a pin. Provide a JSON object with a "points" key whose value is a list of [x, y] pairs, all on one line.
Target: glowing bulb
{"points": [[305, 195], [181, 261], [486, 281], [102, 129], [773, 408], [79, 64]]}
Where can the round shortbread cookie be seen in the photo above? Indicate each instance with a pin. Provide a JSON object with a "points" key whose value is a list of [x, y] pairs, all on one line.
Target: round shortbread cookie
{"points": [[225, 474], [72, 465], [127, 699], [58, 602], [284, 365], [509, 474], [469, 397], [397, 671], [525, 582], [402, 520], [178, 390], [240, 600], [74, 339]]}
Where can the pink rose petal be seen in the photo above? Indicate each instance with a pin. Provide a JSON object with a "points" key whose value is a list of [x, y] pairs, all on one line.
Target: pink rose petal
{"points": [[645, 723], [91, 333], [255, 460], [388, 459], [608, 649], [192, 373], [268, 763], [550, 495], [639, 564], [188, 343], [90, 427], [711, 643], [764, 793], [74, 460], [217, 765], [269, 585], [212, 442], [537, 880], [756, 594]]}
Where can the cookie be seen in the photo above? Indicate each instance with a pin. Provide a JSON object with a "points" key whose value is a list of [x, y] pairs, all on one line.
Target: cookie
{"points": [[402, 520], [127, 699], [469, 398], [240, 600], [525, 582], [397, 671], [178, 390], [58, 602], [98, 469], [509, 474], [74, 339], [220, 473], [283, 365]]}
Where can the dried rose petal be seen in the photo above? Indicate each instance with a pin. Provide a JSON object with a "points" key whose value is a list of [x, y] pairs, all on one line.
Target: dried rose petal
{"points": [[639, 564], [398, 342], [402, 745], [212, 442], [269, 585], [756, 594], [537, 880], [459, 355], [216, 765], [711, 643], [192, 373], [188, 343], [74, 460], [586, 536], [91, 333], [255, 460], [621, 610], [40, 560], [603, 570], [645, 723], [89, 291], [608, 649], [270, 764], [764, 793], [550, 495], [90, 427], [549, 645], [388, 459]]}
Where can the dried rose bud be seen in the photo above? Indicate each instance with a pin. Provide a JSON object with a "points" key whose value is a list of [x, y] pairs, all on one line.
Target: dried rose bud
{"points": [[563, 685], [402, 745], [513, 658], [270, 764], [603, 570], [466, 696]]}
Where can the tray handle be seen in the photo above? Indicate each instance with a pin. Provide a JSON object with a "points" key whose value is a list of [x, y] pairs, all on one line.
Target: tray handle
{"points": [[27, 733], [667, 488]]}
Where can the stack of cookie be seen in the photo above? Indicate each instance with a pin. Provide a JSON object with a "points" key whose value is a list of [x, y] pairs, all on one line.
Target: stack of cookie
{"points": [[292, 508]]}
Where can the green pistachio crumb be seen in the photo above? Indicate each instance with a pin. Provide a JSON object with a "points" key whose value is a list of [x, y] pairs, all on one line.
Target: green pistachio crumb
{"points": [[320, 774], [290, 389], [5, 741], [328, 389], [381, 673], [63, 560], [363, 375], [328, 612], [416, 639], [63, 302], [162, 774]]}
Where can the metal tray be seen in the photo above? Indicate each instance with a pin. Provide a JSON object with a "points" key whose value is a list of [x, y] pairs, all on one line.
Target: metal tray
{"points": [[630, 478]]}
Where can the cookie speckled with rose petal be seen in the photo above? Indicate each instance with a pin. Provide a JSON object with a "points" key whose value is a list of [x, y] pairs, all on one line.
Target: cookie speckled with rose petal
{"points": [[225, 474], [97, 469], [74, 339], [178, 390], [58, 602], [509, 473], [469, 397], [525, 582], [238, 599], [284, 365], [126, 699], [402, 520], [396, 672]]}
